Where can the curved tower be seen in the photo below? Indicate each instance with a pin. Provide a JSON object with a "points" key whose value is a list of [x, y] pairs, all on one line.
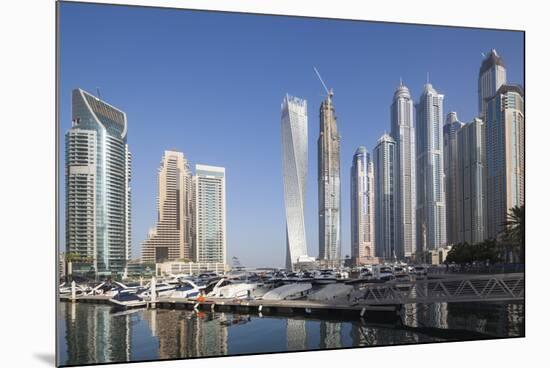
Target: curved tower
{"points": [[492, 75], [98, 184], [294, 149], [402, 131]]}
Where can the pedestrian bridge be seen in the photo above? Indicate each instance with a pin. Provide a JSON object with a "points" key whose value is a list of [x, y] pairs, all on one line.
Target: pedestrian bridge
{"points": [[448, 289]]}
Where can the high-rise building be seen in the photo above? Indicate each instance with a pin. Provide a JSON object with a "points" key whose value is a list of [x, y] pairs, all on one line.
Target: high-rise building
{"points": [[402, 131], [430, 176], [452, 175], [171, 238], [210, 214], [294, 149], [328, 161], [492, 75], [362, 207], [384, 175], [470, 186], [97, 184], [505, 134]]}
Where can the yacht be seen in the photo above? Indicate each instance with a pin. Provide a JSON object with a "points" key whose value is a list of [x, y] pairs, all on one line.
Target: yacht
{"points": [[127, 299], [289, 292], [325, 277], [382, 272], [161, 289], [187, 289], [332, 293], [235, 289]]}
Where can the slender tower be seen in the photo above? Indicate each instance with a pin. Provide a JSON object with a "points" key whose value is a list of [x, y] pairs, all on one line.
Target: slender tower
{"points": [[294, 149], [452, 175], [492, 75], [328, 151], [384, 173], [402, 131], [97, 179], [430, 177], [362, 207]]}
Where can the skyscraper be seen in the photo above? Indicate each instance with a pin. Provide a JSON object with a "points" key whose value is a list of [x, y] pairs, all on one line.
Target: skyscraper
{"points": [[97, 179], [328, 161], [505, 134], [430, 177], [362, 207], [471, 183], [294, 147], [384, 174], [210, 214], [492, 75], [171, 238], [452, 175], [402, 131]]}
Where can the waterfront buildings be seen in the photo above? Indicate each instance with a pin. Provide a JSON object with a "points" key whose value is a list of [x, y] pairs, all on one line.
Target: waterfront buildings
{"points": [[453, 174], [362, 207], [492, 75], [471, 190], [328, 161], [171, 238], [384, 174], [210, 211], [430, 176], [505, 137], [97, 184], [294, 152], [403, 132]]}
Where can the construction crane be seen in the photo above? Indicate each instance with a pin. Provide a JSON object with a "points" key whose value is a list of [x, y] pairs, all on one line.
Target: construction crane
{"points": [[330, 93]]}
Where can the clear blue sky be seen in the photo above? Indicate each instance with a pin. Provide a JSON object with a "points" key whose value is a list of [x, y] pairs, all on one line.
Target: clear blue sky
{"points": [[211, 84]]}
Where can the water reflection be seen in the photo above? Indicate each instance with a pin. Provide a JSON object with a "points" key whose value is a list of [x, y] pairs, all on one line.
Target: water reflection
{"points": [[90, 333]]}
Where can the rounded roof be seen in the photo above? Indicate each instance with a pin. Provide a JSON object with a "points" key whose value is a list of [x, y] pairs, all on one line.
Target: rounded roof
{"points": [[360, 150], [491, 60], [402, 91]]}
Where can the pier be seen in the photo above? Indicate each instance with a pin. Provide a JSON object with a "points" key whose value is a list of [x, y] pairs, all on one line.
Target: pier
{"points": [[380, 299]]}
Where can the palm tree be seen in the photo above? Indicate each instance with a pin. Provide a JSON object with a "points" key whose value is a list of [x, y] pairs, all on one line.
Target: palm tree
{"points": [[514, 231]]}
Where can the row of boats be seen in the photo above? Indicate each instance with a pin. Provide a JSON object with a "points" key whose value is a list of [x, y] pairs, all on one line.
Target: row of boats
{"points": [[319, 285]]}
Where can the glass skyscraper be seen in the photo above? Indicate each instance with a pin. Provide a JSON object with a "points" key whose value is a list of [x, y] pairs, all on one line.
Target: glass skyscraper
{"points": [[505, 145], [492, 75], [362, 207], [328, 151], [430, 176], [384, 174], [402, 131], [210, 214], [97, 184], [453, 174], [294, 151]]}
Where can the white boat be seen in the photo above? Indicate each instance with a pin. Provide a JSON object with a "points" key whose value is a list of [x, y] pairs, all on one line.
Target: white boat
{"points": [[332, 293], [325, 277], [161, 289], [233, 289], [187, 289], [289, 292], [382, 272], [127, 299]]}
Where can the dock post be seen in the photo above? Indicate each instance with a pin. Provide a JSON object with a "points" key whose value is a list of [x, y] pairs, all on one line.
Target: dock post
{"points": [[153, 292], [260, 308], [141, 281], [73, 291], [363, 312]]}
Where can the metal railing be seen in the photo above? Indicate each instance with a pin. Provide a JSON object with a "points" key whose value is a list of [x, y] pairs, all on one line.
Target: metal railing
{"points": [[464, 288]]}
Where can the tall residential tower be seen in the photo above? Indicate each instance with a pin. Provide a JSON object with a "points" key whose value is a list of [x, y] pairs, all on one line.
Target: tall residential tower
{"points": [[97, 178], [384, 174], [294, 150], [362, 207], [492, 75], [328, 161], [402, 131], [171, 238], [430, 176]]}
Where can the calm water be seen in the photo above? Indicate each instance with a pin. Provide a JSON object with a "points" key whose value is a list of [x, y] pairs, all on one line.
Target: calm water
{"points": [[90, 333]]}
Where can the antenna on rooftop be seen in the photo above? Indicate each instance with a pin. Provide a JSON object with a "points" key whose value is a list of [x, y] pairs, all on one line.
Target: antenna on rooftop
{"points": [[98, 92], [330, 93]]}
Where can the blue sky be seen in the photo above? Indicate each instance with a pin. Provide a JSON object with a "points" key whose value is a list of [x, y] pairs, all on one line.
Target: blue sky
{"points": [[211, 84]]}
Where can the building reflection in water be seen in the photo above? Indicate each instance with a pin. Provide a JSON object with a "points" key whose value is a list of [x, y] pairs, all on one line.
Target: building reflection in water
{"points": [[95, 335], [296, 334], [330, 335], [187, 335]]}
